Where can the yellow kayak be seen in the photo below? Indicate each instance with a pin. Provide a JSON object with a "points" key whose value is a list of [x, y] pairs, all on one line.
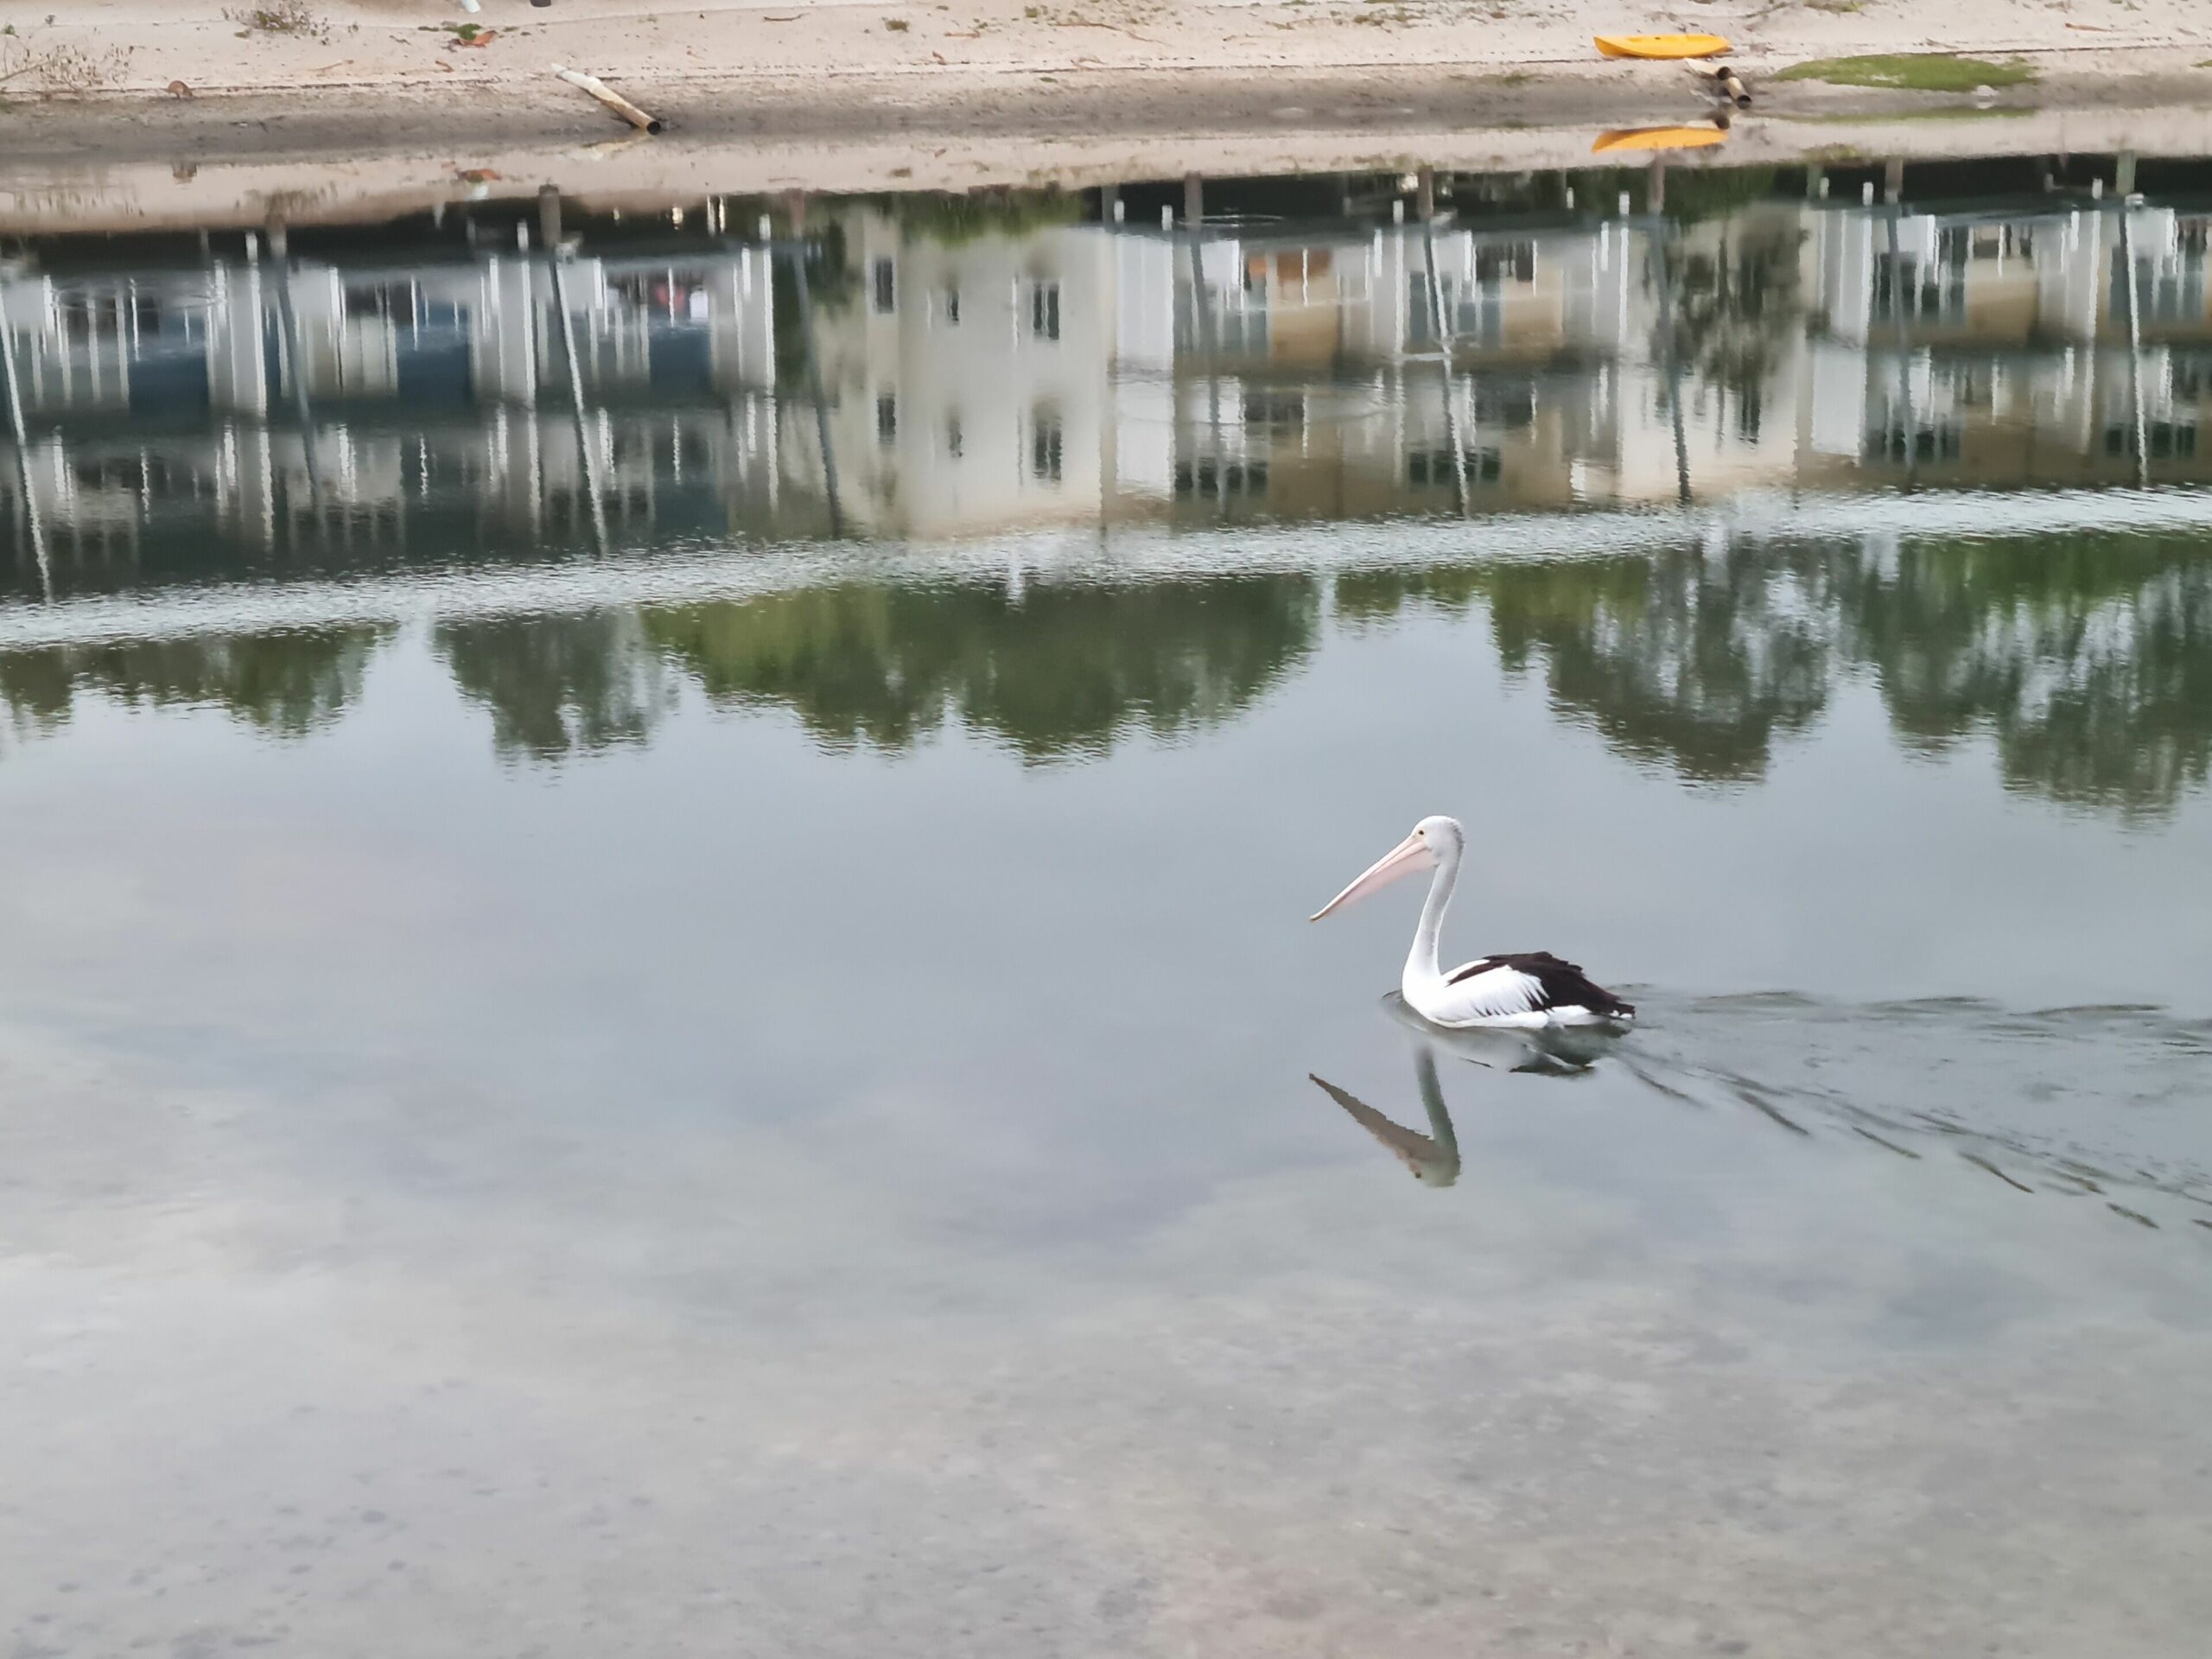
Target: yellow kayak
{"points": [[1660, 45], [1657, 139]]}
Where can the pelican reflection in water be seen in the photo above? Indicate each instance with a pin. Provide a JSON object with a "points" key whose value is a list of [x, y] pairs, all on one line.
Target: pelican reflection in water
{"points": [[1433, 1159], [1550, 1050]]}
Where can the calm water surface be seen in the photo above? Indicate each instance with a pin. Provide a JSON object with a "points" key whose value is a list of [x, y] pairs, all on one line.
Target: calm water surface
{"points": [[613, 1039]]}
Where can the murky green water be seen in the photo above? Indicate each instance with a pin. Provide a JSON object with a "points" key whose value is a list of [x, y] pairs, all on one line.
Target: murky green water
{"points": [[615, 1038]]}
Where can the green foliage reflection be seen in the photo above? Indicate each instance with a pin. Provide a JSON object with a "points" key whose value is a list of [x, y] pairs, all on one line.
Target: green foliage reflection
{"points": [[1696, 663], [2089, 658], [1055, 671], [560, 685], [286, 684], [2086, 660]]}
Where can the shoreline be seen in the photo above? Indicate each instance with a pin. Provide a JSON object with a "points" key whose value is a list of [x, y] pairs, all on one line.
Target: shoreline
{"points": [[382, 106], [116, 164], [147, 76]]}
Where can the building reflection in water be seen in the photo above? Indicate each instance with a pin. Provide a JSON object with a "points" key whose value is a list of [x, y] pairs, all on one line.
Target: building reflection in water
{"points": [[982, 377], [163, 432], [935, 371]]}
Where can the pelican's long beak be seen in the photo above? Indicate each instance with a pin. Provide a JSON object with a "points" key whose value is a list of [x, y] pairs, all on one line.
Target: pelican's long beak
{"points": [[1410, 855]]}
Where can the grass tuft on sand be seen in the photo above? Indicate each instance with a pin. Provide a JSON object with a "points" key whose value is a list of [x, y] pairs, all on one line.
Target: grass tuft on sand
{"points": [[1931, 72]]}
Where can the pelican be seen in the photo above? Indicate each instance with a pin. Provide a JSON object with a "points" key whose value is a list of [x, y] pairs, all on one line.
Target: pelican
{"points": [[1527, 989]]}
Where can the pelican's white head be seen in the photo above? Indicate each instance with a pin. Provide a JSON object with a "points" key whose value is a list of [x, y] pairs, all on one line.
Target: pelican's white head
{"points": [[1433, 840]]}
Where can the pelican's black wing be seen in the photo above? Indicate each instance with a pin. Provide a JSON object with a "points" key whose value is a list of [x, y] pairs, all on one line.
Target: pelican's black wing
{"points": [[1558, 983]]}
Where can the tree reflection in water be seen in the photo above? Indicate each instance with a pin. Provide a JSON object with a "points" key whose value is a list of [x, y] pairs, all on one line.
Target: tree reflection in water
{"points": [[560, 685], [2087, 659], [1059, 670], [284, 684], [1681, 659], [1735, 309]]}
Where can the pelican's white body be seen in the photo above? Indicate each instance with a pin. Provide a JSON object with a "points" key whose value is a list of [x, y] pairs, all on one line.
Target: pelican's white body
{"points": [[1493, 996]]}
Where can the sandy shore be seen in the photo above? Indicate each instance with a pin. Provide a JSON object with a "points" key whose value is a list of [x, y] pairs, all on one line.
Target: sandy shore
{"points": [[706, 58], [387, 101], [415, 43], [1030, 140]]}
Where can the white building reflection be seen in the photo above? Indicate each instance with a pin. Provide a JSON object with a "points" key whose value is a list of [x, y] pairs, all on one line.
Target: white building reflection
{"points": [[1079, 374], [436, 395]]}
